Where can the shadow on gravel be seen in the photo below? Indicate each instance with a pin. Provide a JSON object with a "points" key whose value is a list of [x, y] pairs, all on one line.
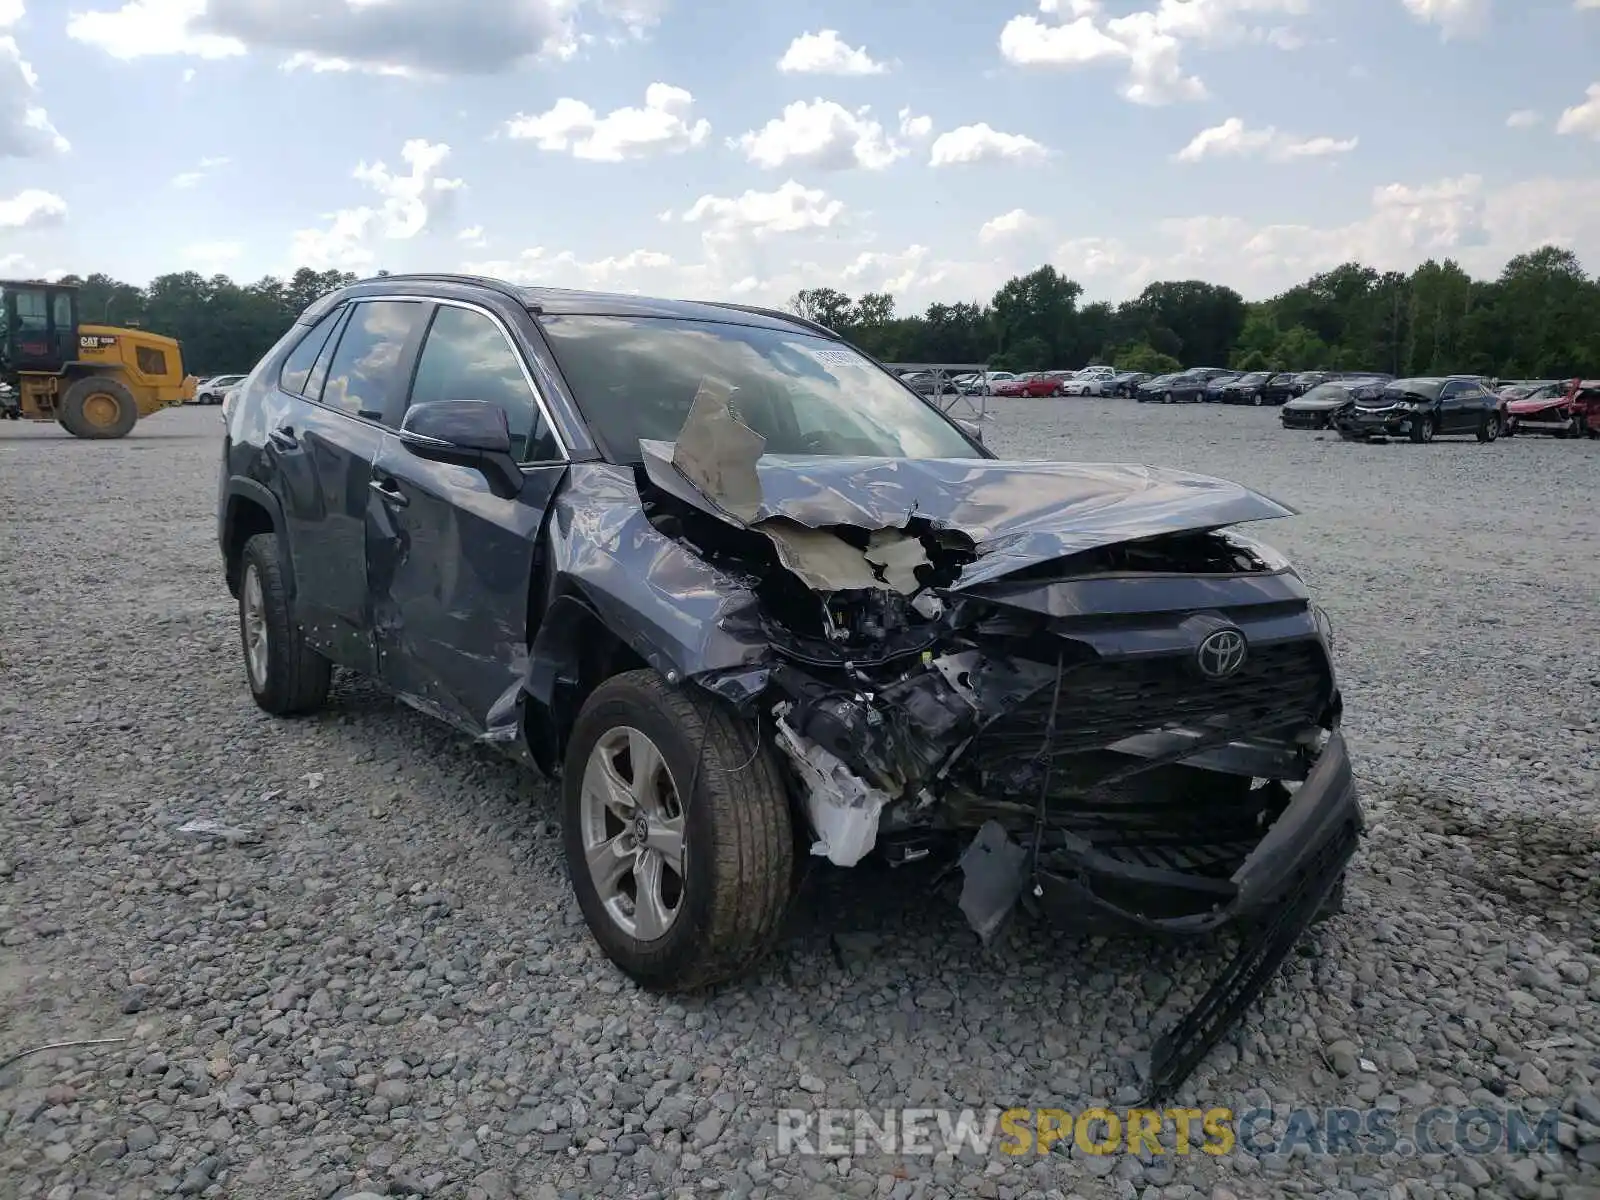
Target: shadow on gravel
{"points": [[1545, 867]]}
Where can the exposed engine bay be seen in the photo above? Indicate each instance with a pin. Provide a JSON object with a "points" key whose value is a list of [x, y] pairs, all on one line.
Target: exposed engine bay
{"points": [[1128, 719]]}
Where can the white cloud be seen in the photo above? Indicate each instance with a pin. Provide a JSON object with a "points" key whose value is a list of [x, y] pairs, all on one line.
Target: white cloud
{"points": [[193, 178], [1232, 139], [826, 53], [32, 208], [473, 237], [662, 126], [25, 128], [410, 37], [143, 28], [1455, 18], [790, 208], [410, 202], [1524, 118], [11, 11], [210, 258], [1456, 217], [1148, 42], [1011, 224], [981, 144], [914, 126], [627, 272], [822, 135], [1583, 118]]}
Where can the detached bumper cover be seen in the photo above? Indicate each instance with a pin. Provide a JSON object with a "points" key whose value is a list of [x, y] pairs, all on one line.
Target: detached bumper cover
{"points": [[1271, 898]]}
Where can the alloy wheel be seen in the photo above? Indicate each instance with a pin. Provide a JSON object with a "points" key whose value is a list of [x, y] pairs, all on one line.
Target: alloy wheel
{"points": [[253, 619], [632, 823]]}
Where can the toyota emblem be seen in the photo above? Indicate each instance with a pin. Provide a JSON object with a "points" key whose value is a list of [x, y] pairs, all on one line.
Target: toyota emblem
{"points": [[1221, 654]]}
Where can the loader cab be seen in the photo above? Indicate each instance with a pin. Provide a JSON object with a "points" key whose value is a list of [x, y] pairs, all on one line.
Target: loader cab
{"points": [[40, 325]]}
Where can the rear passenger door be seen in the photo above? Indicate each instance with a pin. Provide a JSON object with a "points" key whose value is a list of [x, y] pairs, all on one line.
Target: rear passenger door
{"points": [[450, 562], [326, 440]]}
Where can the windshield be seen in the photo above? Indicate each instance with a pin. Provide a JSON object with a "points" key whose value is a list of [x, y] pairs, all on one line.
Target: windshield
{"points": [[1326, 391], [1254, 378], [636, 377], [1421, 389]]}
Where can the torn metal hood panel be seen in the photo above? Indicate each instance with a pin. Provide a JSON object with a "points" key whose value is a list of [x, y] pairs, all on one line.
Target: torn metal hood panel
{"points": [[1018, 514]]}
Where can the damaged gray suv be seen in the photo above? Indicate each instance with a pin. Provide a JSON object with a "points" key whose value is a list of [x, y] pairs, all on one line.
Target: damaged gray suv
{"points": [[752, 599]]}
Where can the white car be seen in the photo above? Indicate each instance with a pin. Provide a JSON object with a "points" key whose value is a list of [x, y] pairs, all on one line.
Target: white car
{"points": [[1087, 382], [211, 391]]}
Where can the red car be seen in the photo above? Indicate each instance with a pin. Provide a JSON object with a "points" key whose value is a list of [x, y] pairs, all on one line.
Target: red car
{"points": [[1039, 383], [1568, 410]]}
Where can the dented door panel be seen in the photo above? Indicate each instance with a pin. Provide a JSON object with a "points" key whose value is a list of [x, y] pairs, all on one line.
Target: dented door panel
{"points": [[449, 566]]}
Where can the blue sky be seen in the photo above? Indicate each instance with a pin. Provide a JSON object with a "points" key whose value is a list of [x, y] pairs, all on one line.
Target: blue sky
{"points": [[713, 148]]}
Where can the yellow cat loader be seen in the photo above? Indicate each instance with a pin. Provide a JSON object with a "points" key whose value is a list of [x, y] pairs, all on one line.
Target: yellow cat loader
{"points": [[95, 380]]}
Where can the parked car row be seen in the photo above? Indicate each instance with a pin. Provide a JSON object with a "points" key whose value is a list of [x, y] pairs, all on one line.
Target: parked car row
{"points": [[212, 390], [1422, 408]]}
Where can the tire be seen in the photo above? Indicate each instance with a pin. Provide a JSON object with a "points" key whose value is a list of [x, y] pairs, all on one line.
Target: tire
{"points": [[99, 408], [1510, 430], [1422, 431], [1257, 400], [737, 833], [289, 678], [1490, 429], [1169, 399]]}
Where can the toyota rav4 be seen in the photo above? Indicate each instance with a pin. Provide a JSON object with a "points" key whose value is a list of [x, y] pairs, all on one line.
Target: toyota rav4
{"points": [[750, 599]]}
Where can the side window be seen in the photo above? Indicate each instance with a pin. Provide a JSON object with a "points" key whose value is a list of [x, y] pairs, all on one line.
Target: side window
{"points": [[319, 372], [364, 370], [297, 367], [63, 305], [466, 357], [33, 312]]}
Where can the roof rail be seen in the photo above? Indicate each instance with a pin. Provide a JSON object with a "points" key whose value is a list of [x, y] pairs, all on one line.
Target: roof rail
{"points": [[485, 281], [778, 314]]}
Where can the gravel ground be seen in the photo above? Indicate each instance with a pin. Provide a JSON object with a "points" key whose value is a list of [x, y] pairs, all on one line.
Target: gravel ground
{"points": [[386, 987]]}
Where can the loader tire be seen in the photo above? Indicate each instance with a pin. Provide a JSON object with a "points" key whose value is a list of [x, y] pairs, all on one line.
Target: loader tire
{"points": [[98, 407]]}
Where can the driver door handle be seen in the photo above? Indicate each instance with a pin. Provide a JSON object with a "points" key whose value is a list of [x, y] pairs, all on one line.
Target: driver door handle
{"points": [[390, 491]]}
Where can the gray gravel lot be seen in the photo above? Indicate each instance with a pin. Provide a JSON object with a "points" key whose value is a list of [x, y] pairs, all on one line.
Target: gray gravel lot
{"points": [[388, 989]]}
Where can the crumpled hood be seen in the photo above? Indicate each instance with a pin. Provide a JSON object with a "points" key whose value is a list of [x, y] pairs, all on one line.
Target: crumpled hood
{"points": [[1524, 407], [1018, 513]]}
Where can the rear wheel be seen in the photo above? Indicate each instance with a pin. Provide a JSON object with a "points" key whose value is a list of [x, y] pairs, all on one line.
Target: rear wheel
{"points": [[286, 676], [98, 407], [1490, 429], [678, 835]]}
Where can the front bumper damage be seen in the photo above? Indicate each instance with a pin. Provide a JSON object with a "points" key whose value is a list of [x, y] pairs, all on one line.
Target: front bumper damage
{"points": [[1270, 898], [1075, 683]]}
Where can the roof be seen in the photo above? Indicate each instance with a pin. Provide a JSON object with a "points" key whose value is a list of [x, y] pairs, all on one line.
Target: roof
{"points": [[553, 301]]}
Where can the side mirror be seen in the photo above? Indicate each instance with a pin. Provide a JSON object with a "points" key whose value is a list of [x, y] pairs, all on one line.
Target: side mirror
{"points": [[974, 429], [468, 433]]}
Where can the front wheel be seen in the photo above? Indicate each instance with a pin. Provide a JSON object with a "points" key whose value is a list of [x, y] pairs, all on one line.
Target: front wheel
{"points": [[677, 831], [1169, 398], [1490, 429], [1422, 430]]}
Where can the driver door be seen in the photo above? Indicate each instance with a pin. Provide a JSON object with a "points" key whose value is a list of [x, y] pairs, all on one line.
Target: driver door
{"points": [[449, 560]]}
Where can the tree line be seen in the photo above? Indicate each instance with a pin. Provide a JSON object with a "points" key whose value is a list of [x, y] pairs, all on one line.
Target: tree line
{"points": [[1539, 319]]}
